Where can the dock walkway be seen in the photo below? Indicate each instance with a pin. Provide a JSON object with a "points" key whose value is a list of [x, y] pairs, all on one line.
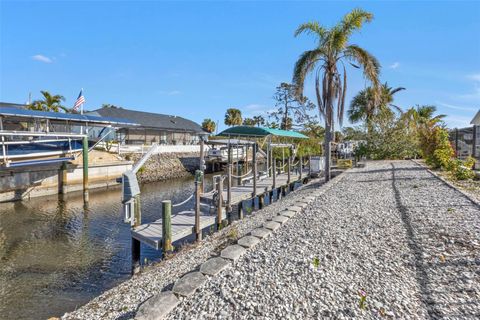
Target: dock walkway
{"points": [[183, 223]]}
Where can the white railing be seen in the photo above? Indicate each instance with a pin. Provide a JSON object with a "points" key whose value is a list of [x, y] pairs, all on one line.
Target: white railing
{"points": [[160, 148]]}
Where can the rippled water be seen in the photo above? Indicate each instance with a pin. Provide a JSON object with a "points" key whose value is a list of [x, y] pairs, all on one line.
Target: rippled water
{"points": [[57, 254]]}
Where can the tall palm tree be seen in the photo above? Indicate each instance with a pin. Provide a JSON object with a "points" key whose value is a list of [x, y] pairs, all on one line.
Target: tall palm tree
{"points": [[364, 107], [233, 117], [49, 103], [327, 63]]}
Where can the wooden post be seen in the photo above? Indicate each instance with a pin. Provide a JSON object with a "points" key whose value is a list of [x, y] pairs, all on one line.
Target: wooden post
{"points": [[274, 169], [202, 161], [137, 220], [219, 202], [229, 188], [309, 166], [240, 173], [63, 178], [85, 168], [300, 166], [288, 170], [246, 158], [270, 171], [166, 226], [254, 170], [198, 182]]}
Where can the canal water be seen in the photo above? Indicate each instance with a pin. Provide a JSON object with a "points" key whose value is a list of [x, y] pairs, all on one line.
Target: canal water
{"points": [[57, 254]]}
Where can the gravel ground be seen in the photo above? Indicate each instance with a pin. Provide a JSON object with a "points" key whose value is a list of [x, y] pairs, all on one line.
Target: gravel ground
{"points": [[122, 301], [391, 229]]}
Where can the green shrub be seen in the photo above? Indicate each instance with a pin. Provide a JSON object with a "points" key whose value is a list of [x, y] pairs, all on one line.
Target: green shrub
{"points": [[462, 170], [439, 153]]}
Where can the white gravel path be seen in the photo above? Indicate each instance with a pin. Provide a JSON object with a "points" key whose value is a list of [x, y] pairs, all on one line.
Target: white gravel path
{"points": [[392, 229]]}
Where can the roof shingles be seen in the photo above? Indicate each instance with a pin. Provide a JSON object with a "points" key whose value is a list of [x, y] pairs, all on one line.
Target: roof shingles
{"points": [[152, 120]]}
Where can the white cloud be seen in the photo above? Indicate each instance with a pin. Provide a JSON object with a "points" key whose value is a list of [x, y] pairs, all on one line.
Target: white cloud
{"points": [[42, 58], [170, 93], [458, 121], [474, 77], [454, 107], [394, 65]]}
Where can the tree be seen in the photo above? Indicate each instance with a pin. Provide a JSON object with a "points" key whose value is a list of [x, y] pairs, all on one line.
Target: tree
{"points": [[233, 117], [292, 110], [49, 103], [259, 121], [248, 122], [364, 107], [208, 125], [327, 63]]}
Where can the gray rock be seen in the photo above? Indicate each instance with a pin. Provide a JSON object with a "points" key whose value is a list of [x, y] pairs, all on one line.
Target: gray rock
{"points": [[187, 285], [288, 213], [248, 241], [213, 266], [232, 252], [157, 307], [260, 232], [295, 208], [272, 225], [280, 219]]}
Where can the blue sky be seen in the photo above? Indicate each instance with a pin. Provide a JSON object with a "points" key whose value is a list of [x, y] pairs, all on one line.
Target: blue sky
{"points": [[195, 59]]}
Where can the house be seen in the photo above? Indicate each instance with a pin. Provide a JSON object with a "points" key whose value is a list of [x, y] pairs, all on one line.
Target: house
{"points": [[153, 127], [466, 141]]}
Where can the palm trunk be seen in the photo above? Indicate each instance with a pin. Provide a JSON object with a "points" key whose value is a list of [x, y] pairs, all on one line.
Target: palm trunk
{"points": [[327, 148]]}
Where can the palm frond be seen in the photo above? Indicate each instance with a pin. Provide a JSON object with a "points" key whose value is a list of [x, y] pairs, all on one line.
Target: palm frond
{"points": [[370, 64], [354, 20], [304, 65], [312, 27]]}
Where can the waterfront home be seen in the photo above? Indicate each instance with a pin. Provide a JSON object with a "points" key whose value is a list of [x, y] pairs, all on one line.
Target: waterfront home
{"points": [[466, 141], [153, 127]]}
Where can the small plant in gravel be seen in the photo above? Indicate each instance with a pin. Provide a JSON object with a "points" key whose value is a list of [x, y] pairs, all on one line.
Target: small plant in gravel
{"points": [[450, 210], [363, 299], [316, 262], [232, 234]]}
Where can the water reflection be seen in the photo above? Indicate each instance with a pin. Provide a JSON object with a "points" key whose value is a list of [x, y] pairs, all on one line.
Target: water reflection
{"points": [[56, 253]]}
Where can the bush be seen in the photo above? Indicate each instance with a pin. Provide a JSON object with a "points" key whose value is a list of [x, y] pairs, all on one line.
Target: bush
{"points": [[462, 170], [439, 152]]}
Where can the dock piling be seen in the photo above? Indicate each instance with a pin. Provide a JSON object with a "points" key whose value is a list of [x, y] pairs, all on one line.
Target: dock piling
{"points": [[274, 171], [137, 220], [309, 166], [254, 170], [85, 167], [166, 226], [198, 191], [219, 201], [300, 166]]}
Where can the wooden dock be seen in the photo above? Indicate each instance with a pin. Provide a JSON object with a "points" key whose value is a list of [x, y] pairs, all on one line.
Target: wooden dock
{"points": [[183, 223]]}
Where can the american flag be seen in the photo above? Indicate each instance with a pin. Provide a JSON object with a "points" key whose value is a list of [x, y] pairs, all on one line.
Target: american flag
{"points": [[80, 100]]}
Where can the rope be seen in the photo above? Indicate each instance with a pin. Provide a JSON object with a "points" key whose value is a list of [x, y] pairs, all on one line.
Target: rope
{"points": [[209, 193], [181, 203], [238, 177]]}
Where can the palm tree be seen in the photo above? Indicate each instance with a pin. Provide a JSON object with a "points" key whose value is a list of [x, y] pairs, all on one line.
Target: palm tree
{"points": [[259, 121], [327, 63], [364, 107], [208, 125], [48, 103], [249, 122], [233, 117]]}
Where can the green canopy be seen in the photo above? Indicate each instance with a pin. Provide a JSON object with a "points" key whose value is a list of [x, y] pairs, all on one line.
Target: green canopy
{"points": [[248, 131]]}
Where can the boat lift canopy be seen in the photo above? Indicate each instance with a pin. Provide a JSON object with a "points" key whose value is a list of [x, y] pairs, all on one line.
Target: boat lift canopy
{"points": [[12, 112], [260, 132]]}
